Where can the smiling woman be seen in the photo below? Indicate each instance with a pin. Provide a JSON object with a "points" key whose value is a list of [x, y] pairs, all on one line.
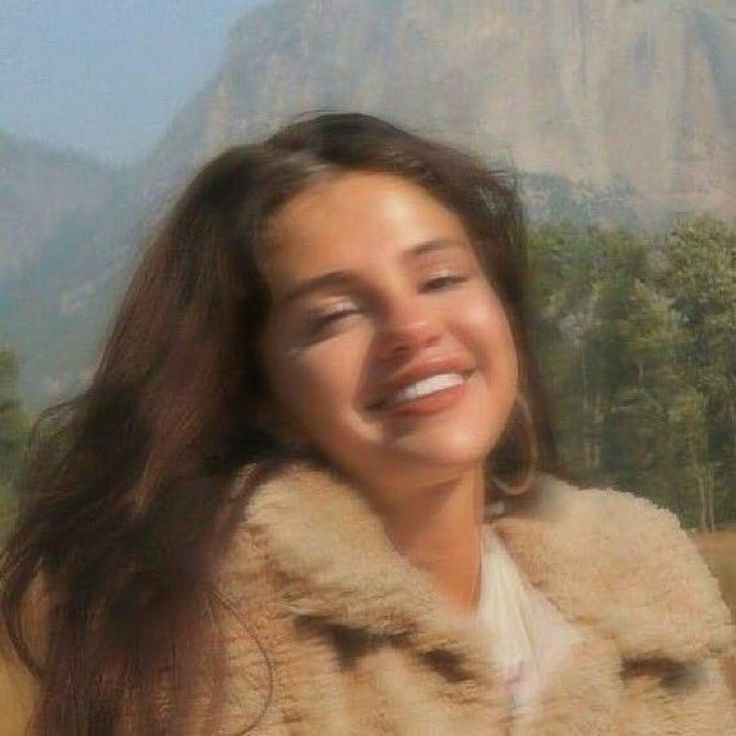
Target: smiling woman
{"points": [[312, 487], [386, 346]]}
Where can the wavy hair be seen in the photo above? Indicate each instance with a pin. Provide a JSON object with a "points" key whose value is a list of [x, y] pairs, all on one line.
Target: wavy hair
{"points": [[128, 494]]}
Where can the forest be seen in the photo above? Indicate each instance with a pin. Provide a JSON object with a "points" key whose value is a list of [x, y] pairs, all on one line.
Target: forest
{"points": [[635, 337]]}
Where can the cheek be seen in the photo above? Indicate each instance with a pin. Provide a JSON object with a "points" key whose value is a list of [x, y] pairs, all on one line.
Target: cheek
{"points": [[488, 321], [325, 377], [316, 386]]}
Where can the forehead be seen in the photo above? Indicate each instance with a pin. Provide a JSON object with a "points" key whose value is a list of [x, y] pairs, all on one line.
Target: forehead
{"points": [[353, 220]]}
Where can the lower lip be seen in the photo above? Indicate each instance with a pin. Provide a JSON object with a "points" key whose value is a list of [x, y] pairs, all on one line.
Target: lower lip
{"points": [[429, 404]]}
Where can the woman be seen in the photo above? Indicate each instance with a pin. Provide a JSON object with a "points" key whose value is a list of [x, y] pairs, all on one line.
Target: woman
{"points": [[310, 488]]}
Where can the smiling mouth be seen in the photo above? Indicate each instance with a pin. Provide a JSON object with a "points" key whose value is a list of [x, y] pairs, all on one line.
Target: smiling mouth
{"points": [[425, 396]]}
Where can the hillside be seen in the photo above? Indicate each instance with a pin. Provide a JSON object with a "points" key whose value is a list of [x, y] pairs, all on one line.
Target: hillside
{"points": [[636, 95], [41, 189], [617, 112]]}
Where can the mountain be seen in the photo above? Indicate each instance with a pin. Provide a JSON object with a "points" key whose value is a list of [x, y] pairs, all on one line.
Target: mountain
{"points": [[613, 95], [41, 189], [616, 111], [66, 234]]}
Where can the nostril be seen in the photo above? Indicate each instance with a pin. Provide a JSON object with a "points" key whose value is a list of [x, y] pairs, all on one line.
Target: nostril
{"points": [[407, 337]]}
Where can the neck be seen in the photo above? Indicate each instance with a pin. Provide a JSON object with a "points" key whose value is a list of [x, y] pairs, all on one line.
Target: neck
{"points": [[438, 529]]}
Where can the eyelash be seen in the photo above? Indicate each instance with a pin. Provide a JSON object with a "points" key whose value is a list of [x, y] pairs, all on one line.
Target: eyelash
{"points": [[321, 322], [445, 280]]}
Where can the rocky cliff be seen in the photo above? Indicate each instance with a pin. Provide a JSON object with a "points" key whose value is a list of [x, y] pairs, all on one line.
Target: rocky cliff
{"points": [[618, 110], [639, 94], [43, 190]]}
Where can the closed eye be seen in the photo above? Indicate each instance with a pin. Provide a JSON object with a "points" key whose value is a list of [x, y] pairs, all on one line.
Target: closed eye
{"points": [[320, 324], [444, 281]]}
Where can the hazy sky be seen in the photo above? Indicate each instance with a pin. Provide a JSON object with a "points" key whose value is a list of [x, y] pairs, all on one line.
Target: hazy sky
{"points": [[106, 76]]}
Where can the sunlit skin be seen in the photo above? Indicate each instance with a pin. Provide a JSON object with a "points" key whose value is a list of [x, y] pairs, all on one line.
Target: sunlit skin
{"points": [[373, 277]]}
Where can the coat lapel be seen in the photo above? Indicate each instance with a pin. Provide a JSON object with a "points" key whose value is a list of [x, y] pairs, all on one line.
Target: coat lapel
{"points": [[621, 564], [338, 565]]}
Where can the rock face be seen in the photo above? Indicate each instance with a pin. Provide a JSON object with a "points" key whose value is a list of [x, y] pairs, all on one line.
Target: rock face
{"points": [[42, 191], [633, 94], [617, 110]]}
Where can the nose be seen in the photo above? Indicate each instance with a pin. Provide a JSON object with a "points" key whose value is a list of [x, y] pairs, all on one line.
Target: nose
{"points": [[408, 326]]}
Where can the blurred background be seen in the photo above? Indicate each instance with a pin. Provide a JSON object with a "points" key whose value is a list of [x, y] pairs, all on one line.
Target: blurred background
{"points": [[618, 115]]}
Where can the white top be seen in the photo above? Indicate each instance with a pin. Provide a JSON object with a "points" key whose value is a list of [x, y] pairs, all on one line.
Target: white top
{"points": [[531, 637]]}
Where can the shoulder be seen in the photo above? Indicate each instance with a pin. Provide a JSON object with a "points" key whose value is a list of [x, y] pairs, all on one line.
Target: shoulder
{"points": [[617, 527], [619, 559]]}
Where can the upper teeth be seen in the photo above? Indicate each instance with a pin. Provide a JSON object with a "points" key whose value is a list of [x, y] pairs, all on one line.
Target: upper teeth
{"points": [[426, 386]]}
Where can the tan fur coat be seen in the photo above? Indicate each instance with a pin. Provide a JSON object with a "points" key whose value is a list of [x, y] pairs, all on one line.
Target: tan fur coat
{"points": [[358, 644], [331, 632]]}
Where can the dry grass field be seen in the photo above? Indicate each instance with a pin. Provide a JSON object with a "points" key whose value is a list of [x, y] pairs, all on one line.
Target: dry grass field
{"points": [[719, 551]]}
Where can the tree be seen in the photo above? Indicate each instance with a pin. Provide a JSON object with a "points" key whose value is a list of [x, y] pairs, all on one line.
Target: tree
{"points": [[13, 429], [564, 263], [696, 267], [657, 418], [636, 339]]}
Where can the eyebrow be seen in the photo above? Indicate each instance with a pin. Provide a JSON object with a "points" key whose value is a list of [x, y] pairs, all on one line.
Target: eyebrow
{"points": [[429, 246], [343, 277]]}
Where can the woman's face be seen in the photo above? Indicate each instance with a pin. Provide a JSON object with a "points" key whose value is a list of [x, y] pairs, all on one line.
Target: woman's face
{"points": [[386, 347]]}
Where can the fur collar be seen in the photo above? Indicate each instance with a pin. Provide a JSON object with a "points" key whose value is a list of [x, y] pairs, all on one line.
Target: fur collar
{"points": [[604, 558]]}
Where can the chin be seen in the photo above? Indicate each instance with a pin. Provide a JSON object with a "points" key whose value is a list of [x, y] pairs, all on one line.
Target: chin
{"points": [[449, 450]]}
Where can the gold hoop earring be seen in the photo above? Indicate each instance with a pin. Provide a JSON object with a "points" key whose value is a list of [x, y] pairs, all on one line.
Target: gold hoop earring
{"points": [[527, 479]]}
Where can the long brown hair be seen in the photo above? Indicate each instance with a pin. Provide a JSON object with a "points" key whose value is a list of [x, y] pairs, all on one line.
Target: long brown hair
{"points": [[128, 498]]}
